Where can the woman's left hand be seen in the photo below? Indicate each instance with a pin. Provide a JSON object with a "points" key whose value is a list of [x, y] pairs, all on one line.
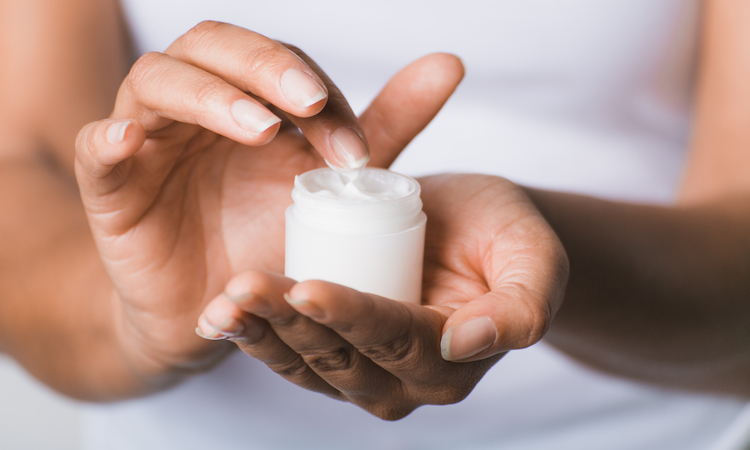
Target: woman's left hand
{"points": [[494, 276]]}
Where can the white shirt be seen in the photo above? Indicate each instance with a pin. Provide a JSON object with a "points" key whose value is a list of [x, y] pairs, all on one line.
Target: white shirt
{"points": [[579, 95]]}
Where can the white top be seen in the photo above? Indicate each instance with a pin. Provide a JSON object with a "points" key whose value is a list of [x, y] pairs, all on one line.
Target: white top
{"points": [[580, 95]]}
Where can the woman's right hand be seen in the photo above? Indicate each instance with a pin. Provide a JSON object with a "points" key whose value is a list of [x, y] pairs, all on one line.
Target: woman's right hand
{"points": [[177, 199]]}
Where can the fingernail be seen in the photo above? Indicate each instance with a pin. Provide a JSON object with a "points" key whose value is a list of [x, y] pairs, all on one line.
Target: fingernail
{"points": [[226, 328], [210, 338], [305, 307], [467, 339], [116, 131], [300, 89], [238, 298], [349, 148], [253, 116]]}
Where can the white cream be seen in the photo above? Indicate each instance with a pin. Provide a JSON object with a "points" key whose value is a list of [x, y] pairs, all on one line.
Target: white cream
{"points": [[367, 233], [349, 174], [364, 185]]}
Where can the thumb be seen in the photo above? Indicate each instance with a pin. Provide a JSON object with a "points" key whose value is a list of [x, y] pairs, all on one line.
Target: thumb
{"points": [[103, 155], [407, 103], [514, 314]]}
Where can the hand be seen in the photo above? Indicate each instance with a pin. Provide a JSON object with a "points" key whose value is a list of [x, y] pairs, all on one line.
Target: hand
{"points": [[494, 276], [177, 199]]}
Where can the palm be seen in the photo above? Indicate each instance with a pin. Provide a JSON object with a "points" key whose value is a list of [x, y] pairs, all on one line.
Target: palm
{"points": [[256, 190], [176, 209], [174, 245], [490, 252]]}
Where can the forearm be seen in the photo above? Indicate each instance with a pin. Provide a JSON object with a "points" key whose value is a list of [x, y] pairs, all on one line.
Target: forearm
{"points": [[656, 293], [57, 314]]}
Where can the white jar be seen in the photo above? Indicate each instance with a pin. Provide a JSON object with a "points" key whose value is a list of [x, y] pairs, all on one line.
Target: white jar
{"points": [[367, 234]]}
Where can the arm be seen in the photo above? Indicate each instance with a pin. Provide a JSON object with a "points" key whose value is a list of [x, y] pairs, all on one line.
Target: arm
{"points": [[179, 189], [662, 294], [55, 77]]}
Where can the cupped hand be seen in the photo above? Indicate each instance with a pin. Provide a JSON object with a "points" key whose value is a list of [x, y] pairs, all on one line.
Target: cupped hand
{"points": [[186, 183], [494, 276]]}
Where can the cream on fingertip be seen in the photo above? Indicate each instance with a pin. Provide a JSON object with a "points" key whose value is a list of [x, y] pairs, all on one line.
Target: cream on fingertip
{"points": [[349, 150]]}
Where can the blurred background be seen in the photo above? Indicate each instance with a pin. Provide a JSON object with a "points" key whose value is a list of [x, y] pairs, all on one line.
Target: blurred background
{"points": [[32, 417]]}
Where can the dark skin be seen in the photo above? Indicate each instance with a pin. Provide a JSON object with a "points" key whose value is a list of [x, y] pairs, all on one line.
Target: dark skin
{"points": [[124, 327]]}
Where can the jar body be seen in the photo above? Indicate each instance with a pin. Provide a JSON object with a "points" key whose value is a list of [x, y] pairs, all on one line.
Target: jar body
{"points": [[365, 256]]}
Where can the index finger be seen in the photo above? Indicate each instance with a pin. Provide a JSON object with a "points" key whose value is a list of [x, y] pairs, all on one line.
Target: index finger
{"points": [[285, 77], [253, 63]]}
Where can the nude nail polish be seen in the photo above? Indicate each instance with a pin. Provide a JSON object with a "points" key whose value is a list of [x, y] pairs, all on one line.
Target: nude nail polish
{"points": [[252, 116], [306, 307], [300, 89], [210, 337], [349, 149], [468, 339], [227, 328]]}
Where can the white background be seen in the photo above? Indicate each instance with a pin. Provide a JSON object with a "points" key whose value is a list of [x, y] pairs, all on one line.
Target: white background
{"points": [[31, 416]]}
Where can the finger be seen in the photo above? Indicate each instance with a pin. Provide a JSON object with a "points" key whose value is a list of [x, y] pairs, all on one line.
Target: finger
{"points": [[161, 89], [407, 103], [330, 356], [284, 76], [226, 317], [325, 352], [402, 338], [253, 63], [515, 314], [103, 165], [334, 132], [100, 146]]}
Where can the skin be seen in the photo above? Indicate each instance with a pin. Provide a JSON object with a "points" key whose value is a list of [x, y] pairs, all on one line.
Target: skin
{"points": [[121, 322], [100, 294], [657, 294]]}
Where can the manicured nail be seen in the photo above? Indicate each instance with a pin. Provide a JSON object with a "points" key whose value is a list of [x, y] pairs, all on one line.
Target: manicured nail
{"points": [[116, 131], [300, 89], [467, 339], [210, 338], [238, 298], [305, 307], [226, 328], [252, 116], [349, 149]]}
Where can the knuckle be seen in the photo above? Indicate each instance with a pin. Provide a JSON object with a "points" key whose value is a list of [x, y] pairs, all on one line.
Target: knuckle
{"points": [[288, 320], [534, 318], [539, 320], [453, 394], [295, 367], [451, 389], [339, 359], [263, 55], [84, 140], [392, 413], [143, 70], [206, 89], [396, 352], [199, 34]]}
